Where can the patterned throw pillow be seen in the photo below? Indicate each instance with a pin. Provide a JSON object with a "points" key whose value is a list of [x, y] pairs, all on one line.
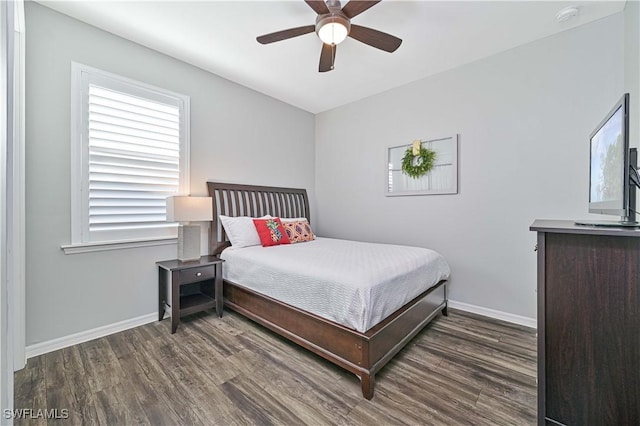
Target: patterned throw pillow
{"points": [[299, 231], [271, 232]]}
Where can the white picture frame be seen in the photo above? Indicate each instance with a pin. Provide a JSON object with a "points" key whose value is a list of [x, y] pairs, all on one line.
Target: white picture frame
{"points": [[441, 179]]}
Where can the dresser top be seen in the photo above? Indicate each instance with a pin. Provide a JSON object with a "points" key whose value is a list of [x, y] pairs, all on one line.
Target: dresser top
{"points": [[570, 227]]}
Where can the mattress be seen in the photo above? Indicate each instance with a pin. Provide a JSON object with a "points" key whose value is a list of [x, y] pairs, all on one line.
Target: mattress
{"points": [[355, 284]]}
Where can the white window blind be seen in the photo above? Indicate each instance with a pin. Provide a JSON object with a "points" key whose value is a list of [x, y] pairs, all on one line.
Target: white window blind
{"points": [[132, 156]]}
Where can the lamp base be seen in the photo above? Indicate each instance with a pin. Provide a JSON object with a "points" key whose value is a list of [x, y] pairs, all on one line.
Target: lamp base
{"points": [[188, 243]]}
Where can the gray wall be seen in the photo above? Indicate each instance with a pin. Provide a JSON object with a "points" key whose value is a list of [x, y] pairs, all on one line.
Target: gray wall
{"points": [[236, 135], [524, 118]]}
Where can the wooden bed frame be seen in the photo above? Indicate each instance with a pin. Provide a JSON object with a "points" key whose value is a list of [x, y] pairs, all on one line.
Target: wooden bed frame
{"points": [[363, 354]]}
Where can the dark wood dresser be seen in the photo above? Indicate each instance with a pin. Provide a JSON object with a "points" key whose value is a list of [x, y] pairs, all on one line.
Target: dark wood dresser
{"points": [[588, 324]]}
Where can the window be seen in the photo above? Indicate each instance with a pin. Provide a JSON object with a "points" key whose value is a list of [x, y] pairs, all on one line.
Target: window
{"points": [[130, 151]]}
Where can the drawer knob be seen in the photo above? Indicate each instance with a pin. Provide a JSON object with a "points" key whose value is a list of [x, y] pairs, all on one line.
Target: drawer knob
{"points": [[198, 274]]}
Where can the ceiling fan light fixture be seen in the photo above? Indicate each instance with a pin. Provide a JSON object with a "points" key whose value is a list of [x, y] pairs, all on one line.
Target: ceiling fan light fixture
{"points": [[332, 29], [332, 33]]}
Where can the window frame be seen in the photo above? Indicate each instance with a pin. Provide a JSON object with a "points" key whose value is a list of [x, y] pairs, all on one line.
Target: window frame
{"points": [[81, 77]]}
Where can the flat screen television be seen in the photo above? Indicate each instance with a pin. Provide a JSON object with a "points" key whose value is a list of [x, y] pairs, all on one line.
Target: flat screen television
{"points": [[613, 175]]}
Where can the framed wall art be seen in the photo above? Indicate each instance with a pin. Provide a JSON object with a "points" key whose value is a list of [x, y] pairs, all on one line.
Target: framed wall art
{"points": [[425, 167]]}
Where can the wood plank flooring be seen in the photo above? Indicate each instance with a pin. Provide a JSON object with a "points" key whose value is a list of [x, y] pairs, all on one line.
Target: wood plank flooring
{"points": [[461, 369]]}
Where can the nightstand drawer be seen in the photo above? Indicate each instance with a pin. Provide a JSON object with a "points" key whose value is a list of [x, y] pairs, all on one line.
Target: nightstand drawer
{"points": [[193, 275]]}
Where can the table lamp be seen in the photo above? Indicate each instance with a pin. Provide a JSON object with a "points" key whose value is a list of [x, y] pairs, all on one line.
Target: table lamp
{"points": [[185, 209]]}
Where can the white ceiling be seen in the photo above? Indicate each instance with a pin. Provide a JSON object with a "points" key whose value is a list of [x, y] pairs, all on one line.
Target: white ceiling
{"points": [[220, 37]]}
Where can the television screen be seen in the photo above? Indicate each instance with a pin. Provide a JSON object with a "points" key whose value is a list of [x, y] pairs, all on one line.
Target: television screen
{"points": [[608, 160]]}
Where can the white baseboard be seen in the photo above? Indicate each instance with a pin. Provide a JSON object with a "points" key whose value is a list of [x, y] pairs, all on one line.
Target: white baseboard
{"points": [[492, 313], [84, 336]]}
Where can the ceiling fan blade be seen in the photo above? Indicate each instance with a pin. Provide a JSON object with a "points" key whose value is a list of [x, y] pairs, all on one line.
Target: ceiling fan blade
{"points": [[318, 5], [285, 34], [375, 38], [327, 57], [356, 7]]}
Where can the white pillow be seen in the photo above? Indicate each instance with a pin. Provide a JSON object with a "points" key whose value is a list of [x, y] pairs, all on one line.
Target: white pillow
{"points": [[241, 231], [293, 219]]}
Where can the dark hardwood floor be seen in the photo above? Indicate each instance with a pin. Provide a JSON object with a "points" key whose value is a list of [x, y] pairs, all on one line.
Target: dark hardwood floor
{"points": [[461, 369]]}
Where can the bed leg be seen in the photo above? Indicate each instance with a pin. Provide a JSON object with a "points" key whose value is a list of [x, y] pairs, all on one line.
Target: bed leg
{"points": [[368, 383], [446, 301]]}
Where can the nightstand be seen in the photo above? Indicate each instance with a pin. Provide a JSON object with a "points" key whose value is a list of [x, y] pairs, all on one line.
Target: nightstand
{"points": [[189, 287]]}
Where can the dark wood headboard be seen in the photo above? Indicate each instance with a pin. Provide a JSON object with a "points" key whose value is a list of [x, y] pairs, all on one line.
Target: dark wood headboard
{"points": [[232, 199]]}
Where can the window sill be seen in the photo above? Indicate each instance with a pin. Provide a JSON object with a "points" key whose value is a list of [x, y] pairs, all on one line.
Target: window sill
{"points": [[117, 245]]}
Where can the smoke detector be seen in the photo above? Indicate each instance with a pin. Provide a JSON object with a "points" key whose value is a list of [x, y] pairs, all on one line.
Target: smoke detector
{"points": [[567, 13]]}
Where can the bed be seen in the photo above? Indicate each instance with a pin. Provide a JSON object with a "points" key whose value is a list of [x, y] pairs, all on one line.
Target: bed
{"points": [[362, 353]]}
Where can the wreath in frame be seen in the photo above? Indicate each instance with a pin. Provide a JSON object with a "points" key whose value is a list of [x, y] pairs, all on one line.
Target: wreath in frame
{"points": [[417, 160]]}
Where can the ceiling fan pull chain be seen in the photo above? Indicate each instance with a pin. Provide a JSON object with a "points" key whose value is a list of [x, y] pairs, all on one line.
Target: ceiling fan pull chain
{"points": [[333, 55]]}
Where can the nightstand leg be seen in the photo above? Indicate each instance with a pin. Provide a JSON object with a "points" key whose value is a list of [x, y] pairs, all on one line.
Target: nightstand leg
{"points": [[175, 300], [162, 292], [218, 290]]}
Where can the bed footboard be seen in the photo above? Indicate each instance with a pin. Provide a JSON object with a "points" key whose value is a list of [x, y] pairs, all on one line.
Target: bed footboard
{"points": [[363, 354]]}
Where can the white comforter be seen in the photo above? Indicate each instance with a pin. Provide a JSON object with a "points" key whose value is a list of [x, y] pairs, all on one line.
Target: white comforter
{"points": [[352, 283]]}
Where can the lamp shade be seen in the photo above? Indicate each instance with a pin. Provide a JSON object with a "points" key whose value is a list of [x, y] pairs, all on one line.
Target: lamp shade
{"points": [[189, 209]]}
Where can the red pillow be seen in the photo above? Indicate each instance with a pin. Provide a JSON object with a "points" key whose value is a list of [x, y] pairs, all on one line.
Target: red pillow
{"points": [[271, 232]]}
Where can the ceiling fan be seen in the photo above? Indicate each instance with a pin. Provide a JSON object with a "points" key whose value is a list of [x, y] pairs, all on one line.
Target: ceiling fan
{"points": [[333, 25]]}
